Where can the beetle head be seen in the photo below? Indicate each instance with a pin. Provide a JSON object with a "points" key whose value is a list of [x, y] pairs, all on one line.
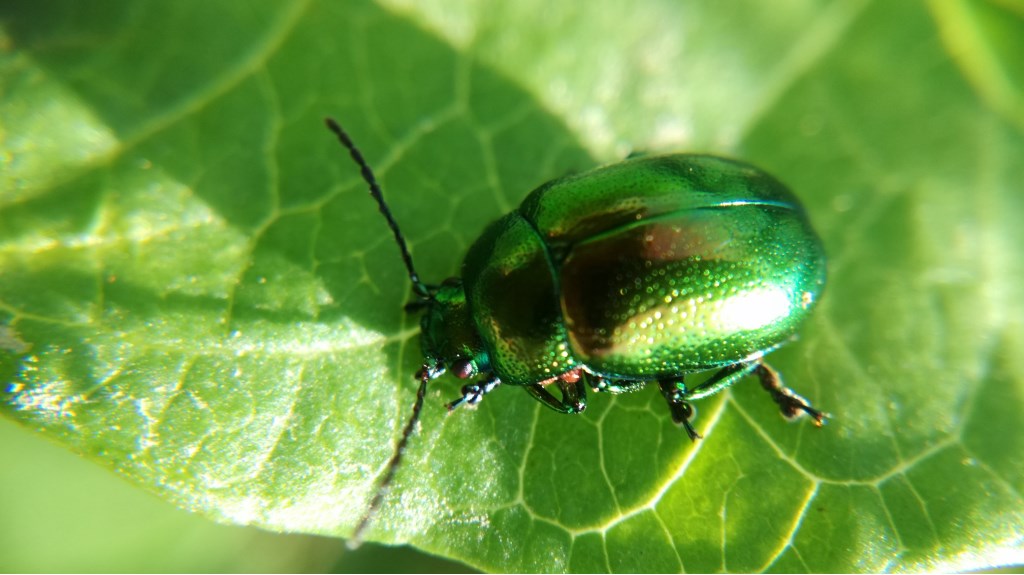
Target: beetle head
{"points": [[449, 336]]}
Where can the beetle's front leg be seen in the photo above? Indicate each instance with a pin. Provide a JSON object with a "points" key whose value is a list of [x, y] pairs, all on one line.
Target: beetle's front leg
{"points": [[574, 394], [474, 392]]}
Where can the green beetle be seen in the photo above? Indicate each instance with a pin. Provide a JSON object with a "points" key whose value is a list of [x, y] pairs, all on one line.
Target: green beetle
{"points": [[634, 273]]}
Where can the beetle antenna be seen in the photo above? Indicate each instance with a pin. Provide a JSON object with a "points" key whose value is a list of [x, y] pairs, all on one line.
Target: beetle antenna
{"points": [[417, 286], [392, 467]]}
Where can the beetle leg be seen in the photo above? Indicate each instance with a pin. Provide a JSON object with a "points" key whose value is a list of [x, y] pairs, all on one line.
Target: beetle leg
{"points": [[613, 386], [789, 402], [674, 391], [574, 396], [474, 392], [722, 379]]}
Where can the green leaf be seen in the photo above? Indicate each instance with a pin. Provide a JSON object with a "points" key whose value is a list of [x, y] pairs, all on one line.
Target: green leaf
{"points": [[196, 292]]}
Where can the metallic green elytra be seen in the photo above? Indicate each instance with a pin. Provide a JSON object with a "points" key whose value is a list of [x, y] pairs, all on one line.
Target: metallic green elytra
{"points": [[644, 271]]}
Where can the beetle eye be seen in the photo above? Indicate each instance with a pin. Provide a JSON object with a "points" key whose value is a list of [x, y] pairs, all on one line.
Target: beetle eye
{"points": [[462, 368]]}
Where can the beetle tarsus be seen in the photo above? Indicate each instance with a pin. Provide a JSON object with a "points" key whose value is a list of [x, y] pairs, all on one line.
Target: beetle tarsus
{"points": [[473, 393], [690, 431], [790, 403], [674, 391]]}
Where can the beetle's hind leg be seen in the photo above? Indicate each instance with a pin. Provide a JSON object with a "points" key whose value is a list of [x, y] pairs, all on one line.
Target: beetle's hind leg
{"points": [[474, 392], [789, 402]]}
